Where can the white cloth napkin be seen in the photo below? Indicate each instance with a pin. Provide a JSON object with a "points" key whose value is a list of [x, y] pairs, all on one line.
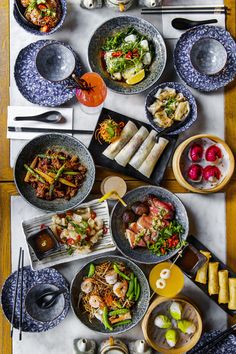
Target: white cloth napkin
{"points": [[170, 32], [20, 111]]}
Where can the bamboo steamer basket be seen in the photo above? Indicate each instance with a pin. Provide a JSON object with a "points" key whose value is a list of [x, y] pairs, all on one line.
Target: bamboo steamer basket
{"points": [[155, 336], [176, 164]]}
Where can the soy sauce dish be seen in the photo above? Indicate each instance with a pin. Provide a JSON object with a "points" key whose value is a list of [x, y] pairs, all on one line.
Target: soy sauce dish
{"points": [[203, 164]]}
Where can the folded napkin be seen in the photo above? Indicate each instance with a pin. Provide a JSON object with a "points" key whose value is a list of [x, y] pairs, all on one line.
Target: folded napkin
{"points": [[23, 111], [170, 32]]}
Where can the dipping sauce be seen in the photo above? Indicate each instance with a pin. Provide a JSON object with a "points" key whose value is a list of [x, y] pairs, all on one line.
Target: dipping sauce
{"points": [[173, 285], [191, 260], [43, 242], [113, 183]]}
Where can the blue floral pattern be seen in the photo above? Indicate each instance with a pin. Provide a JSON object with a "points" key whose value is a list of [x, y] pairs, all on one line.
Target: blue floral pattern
{"points": [[189, 74], [227, 346], [36, 89], [31, 278]]}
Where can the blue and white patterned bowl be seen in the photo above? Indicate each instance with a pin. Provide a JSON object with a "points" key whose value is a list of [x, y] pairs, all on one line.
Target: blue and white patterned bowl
{"points": [[39, 145], [139, 254], [36, 31], [119, 23], [188, 121], [32, 278], [183, 64], [140, 307], [34, 87], [226, 346]]}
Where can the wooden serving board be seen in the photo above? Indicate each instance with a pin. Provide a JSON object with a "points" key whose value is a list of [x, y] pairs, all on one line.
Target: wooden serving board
{"points": [[97, 149]]}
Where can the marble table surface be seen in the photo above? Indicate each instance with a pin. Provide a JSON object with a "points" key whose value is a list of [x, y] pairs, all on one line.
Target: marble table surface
{"points": [[207, 223]]}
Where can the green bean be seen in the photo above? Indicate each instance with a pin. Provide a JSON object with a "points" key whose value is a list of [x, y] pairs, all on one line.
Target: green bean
{"points": [[59, 172], [45, 156], [138, 292], [131, 285], [105, 319], [135, 284], [131, 296], [118, 312], [35, 174], [121, 323], [118, 271], [91, 270], [71, 173]]}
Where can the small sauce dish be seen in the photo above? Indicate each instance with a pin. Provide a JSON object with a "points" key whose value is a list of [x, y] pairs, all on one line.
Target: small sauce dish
{"points": [[208, 56], [43, 243]]}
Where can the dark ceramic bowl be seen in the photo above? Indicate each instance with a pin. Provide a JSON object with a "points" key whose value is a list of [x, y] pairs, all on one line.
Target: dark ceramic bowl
{"points": [[36, 31], [39, 145], [114, 25], [138, 311], [139, 254], [41, 314], [188, 121]]}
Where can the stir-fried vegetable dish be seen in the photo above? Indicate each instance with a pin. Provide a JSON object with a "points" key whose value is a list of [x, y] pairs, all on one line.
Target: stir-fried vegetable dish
{"points": [[43, 13], [79, 229], [152, 224], [55, 174], [127, 56], [109, 293]]}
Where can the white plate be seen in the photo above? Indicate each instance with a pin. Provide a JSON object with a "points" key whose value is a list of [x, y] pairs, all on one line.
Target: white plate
{"points": [[104, 245]]}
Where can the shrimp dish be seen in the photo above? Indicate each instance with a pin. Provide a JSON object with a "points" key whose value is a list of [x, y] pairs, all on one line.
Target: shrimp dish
{"points": [[109, 293]]}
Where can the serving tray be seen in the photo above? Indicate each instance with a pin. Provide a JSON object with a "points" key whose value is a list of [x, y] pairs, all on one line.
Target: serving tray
{"points": [[97, 149], [105, 244], [204, 287]]}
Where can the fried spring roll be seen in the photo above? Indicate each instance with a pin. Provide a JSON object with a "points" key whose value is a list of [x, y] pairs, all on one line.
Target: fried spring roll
{"points": [[232, 294], [213, 281], [201, 276], [223, 297]]}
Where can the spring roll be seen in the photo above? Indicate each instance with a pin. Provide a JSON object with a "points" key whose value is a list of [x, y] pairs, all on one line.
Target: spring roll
{"points": [[129, 150], [223, 297], [127, 133], [144, 150], [213, 281], [201, 276], [232, 294], [149, 163]]}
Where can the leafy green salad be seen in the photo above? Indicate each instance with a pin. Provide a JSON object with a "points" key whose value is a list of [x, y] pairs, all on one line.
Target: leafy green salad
{"points": [[127, 56]]}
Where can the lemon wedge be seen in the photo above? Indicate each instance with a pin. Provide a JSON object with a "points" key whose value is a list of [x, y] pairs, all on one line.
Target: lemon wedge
{"points": [[136, 78]]}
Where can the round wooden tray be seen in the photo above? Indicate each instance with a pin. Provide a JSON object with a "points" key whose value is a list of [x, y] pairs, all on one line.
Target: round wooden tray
{"points": [[155, 336], [177, 169]]}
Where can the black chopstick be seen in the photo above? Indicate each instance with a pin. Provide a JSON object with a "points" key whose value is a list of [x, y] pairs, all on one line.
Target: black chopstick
{"points": [[16, 290], [218, 339], [194, 7], [46, 130], [21, 294], [154, 12]]}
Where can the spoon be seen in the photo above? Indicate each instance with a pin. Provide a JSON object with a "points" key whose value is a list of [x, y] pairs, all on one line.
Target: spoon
{"points": [[46, 117], [21, 11], [184, 23], [48, 298]]}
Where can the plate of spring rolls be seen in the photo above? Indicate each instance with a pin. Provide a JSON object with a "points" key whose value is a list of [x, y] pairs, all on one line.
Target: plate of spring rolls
{"points": [[216, 279], [130, 147]]}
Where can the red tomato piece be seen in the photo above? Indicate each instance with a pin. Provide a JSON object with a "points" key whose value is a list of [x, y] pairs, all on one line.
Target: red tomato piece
{"points": [[70, 241], [128, 55], [117, 54]]}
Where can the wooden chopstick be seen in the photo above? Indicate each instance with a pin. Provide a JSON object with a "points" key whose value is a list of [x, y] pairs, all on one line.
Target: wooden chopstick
{"points": [[153, 11], [21, 294], [218, 339], [16, 290]]}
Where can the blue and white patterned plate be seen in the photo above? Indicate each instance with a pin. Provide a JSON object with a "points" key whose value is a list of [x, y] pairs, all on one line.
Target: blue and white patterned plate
{"points": [[36, 89], [191, 117], [189, 74], [31, 278], [227, 346]]}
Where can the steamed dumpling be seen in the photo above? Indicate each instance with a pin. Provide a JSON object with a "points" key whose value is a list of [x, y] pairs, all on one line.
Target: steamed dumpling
{"points": [[167, 93], [176, 310], [182, 111], [162, 120], [171, 337], [155, 107], [187, 327], [162, 321]]}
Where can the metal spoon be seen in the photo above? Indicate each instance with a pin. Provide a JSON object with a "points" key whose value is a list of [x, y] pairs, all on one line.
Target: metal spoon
{"points": [[48, 298], [46, 117], [184, 23], [21, 11]]}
